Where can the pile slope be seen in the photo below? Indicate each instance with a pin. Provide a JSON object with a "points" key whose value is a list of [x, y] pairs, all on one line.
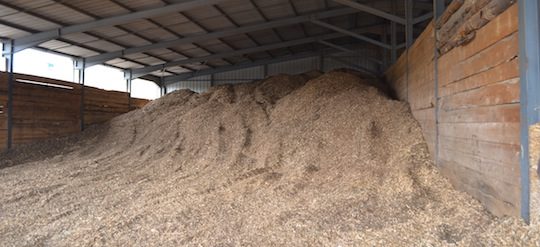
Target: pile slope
{"points": [[321, 160]]}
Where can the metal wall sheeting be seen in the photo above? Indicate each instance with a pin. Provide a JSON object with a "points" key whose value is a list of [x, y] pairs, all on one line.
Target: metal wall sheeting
{"points": [[198, 84], [294, 67], [203, 83]]}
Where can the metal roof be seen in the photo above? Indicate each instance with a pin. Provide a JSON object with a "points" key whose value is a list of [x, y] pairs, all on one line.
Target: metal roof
{"points": [[143, 35]]}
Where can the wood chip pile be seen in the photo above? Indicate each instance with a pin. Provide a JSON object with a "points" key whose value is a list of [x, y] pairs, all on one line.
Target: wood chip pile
{"points": [[306, 160]]}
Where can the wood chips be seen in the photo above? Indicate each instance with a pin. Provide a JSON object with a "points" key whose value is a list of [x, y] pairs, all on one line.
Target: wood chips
{"points": [[307, 160]]}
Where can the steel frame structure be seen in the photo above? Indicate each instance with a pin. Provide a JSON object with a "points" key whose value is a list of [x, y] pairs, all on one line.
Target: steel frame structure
{"points": [[349, 7]]}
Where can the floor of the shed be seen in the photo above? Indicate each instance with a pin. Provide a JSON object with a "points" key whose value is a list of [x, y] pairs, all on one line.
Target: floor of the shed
{"points": [[288, 161]]}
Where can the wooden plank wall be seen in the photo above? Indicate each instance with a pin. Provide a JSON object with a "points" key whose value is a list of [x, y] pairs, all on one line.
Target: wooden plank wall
{"points": [[478, 108], [45, 108]]}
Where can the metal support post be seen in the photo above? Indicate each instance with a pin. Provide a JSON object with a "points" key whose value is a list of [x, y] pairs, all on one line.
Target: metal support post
{"points": [[265, 70], [393, 36], [128, 75], [438, 9], [529, 63], [409, 25], [8, 52], [80, 65]]}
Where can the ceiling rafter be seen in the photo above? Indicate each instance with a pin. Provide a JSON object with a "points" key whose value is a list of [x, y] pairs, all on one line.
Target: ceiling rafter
{"points": [[220, 10], [84, 12], [29, 30], [35, 39], [223, 33], [158, 25], [240, 52], [277, 33]]}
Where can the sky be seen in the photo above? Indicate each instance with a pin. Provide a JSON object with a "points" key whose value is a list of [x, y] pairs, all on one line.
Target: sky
{"points": [[38, 63]]}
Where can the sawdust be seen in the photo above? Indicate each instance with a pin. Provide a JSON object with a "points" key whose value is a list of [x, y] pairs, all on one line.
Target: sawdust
{"points": [[309, 160]]}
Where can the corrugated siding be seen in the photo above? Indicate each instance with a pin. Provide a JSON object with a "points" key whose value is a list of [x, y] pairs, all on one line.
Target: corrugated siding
{"points": [[294, 67], [197, 84], [239, 76], [203, 83]]}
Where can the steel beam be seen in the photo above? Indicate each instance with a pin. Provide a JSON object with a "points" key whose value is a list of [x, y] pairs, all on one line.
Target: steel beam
{"points": [[422, 18], [393, 36], [35, 39], [352, 34], [98, 59], [355, 66], [349, 51], [438, 8], [8, 52], [371, 10], [337, 47], [529, 57], [149, 69]]}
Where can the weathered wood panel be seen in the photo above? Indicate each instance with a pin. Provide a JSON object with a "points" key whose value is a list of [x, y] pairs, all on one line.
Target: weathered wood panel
{"points": [[45, 108], [478, 99]]}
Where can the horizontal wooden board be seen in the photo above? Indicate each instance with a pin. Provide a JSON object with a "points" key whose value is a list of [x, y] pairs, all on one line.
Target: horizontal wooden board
{"points": [[46, 108], [500, 153], [501, 52], [506, 92], [507, 133], [502, 72], [477, 125], [499, 197], [508, 113]]}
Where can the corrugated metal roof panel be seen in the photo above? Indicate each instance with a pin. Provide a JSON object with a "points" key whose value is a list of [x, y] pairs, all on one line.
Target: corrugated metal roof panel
{"points": [[54, 45], [63, 14], [216, 23], [141, 4], [275, 9], [77, 51], [6, 11], [27, 20], [80, 37], [31, 4], [103, 45], [128, 64], [131, 40], [240, 41], [186, 29], [102, 8], [6, 31], [109, 32]]}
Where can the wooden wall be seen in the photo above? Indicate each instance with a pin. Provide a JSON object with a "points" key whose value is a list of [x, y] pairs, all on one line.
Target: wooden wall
{"points": [[45, 108], [477, 122]]}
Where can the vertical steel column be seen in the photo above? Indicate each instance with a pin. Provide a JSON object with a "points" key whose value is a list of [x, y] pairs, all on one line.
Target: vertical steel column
{"points": [[128, 75], [438, 9], [384, 51], [529, 62], [409, 38], [393, 36], [265, 71], [409, 34], [212, 80], [9, 52], [80, 65], [163, 87], [321, 62]]}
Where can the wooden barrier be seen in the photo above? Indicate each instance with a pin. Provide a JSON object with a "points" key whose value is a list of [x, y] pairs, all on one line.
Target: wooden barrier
{"points": [[476, 115], [44, 108]]}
